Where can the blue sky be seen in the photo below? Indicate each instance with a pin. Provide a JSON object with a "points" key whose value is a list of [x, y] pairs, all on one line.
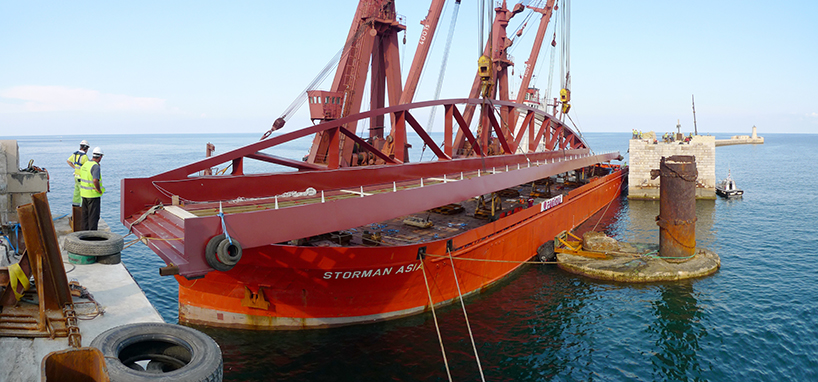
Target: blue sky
{"points": [[199, 66]]}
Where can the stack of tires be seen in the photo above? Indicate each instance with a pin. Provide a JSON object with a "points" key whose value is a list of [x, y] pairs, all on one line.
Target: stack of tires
{"points": [[88, 247]]}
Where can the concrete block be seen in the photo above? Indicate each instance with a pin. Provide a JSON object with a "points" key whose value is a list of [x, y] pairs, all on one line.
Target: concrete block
{"points": [[16, 187], [9, 154], [645, 156], [27, 182]]}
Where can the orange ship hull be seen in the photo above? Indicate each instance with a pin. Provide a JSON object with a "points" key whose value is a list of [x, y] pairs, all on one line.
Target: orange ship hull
{"points": [[294, 287]]}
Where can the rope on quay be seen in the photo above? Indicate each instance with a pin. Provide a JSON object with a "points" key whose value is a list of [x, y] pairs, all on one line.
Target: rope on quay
{"points": [[434, 315], [468, 326], [655, 255]]}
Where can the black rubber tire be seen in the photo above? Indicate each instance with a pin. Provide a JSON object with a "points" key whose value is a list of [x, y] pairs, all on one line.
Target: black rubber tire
{"points": [[93, 243], [210, 254], [545, 253], [173, 352], [228, 253], [116, 258]]}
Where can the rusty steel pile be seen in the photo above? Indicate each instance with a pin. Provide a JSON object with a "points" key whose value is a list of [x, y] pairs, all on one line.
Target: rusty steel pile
{"points": [[675, 258]]}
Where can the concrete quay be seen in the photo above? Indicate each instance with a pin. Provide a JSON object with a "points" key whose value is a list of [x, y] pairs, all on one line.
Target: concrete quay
{"points": [[120, 298], [753, 139], [641, 263]]}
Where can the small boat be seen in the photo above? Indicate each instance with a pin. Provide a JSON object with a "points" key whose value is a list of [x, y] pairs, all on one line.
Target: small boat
{"points": [[727, 187]]}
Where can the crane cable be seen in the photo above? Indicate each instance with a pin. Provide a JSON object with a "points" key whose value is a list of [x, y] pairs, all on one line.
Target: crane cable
{"points": [[480, 33], [522, 27], [442, 73], [565, 63], [322, 75]]}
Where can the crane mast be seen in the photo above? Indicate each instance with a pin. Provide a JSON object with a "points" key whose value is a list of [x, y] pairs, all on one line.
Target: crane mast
{"points": [[497, 50], [535, 53], [371, 44], [371, 50]]}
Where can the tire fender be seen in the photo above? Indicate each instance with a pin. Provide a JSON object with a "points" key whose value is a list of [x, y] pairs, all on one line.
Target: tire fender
{"points": [[545, 253], [221, 254], [93, 243], [172, 352], [228, 253]]}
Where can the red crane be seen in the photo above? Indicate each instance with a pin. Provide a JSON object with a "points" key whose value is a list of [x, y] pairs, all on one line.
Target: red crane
{"points": [[371, 50]]}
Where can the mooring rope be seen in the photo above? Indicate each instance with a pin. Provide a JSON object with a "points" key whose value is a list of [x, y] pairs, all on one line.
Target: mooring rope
{"points": [[603, 212], [468, 326], [432, 305], [146, 239], [519, 262], [493, 261], [657, 256], [144, 216], [130, 243]]}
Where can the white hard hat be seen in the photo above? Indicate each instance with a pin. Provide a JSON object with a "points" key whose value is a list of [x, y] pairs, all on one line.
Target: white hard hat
{"points": [[84, 143], [98, 151]]}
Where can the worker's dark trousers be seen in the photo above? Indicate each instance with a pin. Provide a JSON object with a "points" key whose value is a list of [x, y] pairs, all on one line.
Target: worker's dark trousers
{"points": [[90, 214]]}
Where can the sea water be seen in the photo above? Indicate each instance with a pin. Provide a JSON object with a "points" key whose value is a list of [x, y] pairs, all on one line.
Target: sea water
{"points": [[755, 319]]}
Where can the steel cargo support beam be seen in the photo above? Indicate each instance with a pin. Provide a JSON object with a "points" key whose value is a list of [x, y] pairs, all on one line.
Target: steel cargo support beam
{"points": [[366, 146], [499, 131], [545, 128], [399, 136], [300, 165], [464, 129], [447, 129], [426, 138], [525, 125]]}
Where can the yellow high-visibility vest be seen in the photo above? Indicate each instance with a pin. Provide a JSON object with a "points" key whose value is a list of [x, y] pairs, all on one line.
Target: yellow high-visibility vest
{"points": [[87, 189], [78, 158]]}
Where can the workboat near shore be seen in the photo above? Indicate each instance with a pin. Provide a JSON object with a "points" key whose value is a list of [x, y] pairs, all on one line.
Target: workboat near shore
{"points": [[727, 187], [356, 233]]}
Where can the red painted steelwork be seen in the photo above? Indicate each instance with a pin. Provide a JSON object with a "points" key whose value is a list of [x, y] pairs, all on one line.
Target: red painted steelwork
{"points": [[319, 286], [264, 226], [535, 53], [139, 194], [286, 286]]}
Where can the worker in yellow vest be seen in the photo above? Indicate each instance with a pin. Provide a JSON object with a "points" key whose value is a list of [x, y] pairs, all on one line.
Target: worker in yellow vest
{"points": [[76, 160], [91, 190]]}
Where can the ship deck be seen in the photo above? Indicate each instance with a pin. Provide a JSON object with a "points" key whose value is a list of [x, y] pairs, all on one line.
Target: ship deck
{"points": [[285, 208], [446, 221]]}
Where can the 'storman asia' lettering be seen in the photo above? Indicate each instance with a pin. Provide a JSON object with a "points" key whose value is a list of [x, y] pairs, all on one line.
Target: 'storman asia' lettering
{"points": [[359, 274]]}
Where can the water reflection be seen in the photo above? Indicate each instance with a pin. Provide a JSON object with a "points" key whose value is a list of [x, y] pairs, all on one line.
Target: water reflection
{"points": [[638, 224], [549, 329], [677, 329]]}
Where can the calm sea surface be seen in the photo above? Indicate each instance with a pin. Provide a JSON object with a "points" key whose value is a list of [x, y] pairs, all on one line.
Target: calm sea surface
{"points": [[755, 320]]}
